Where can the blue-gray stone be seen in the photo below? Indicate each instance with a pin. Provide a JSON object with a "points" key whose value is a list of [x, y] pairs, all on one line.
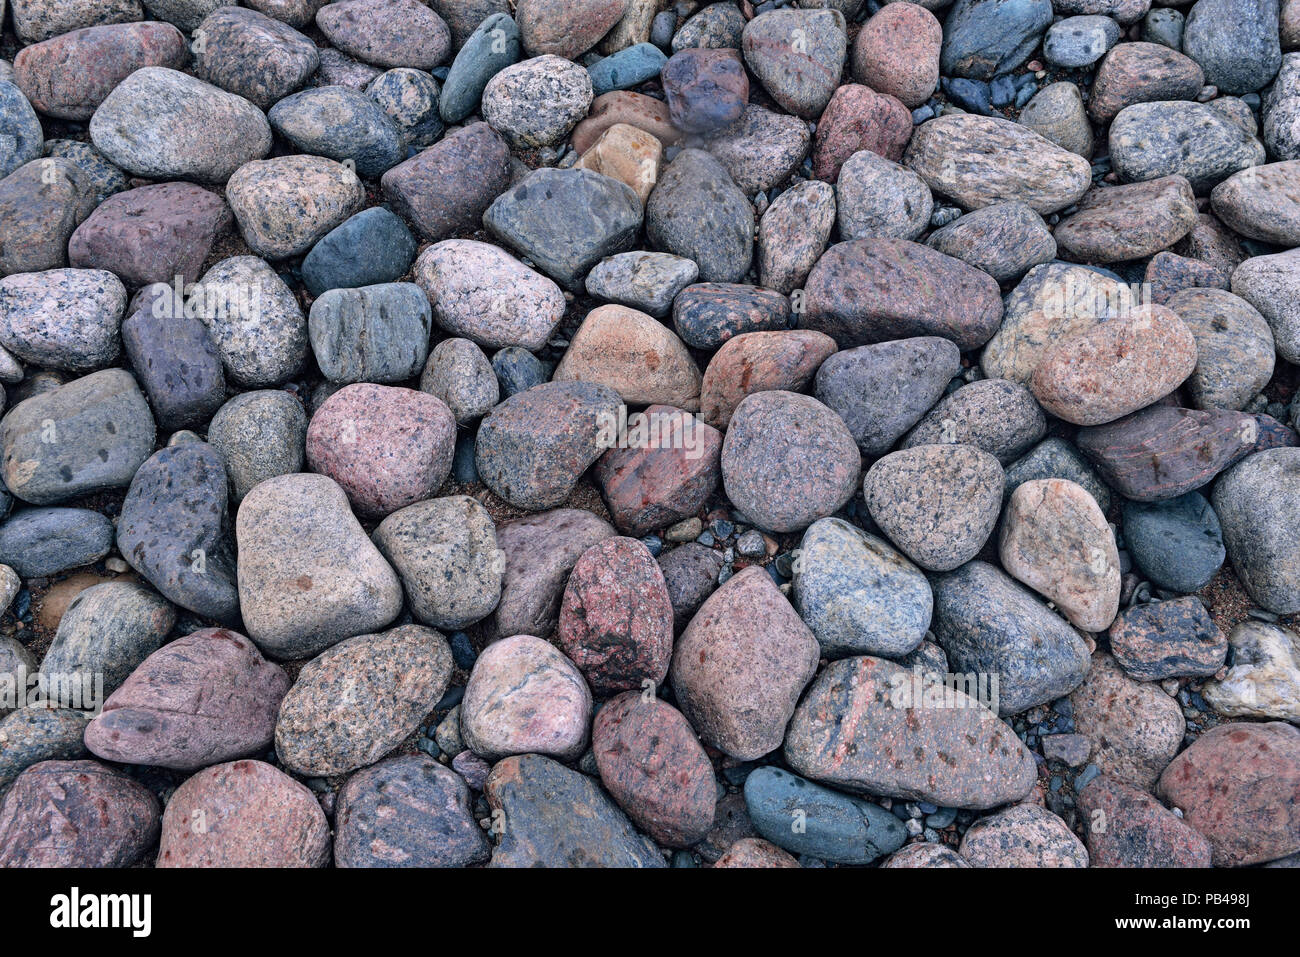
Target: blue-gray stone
{"points": [[410, 98], [1177, 544], [806, 818], [372, 334], [29, 735], [175, 362], [1236, 42], [973, 96], [985, 38], [463, 469], [518, 370], [662, 28], [489, 50], [1002, 91], [342, 124], [372, 247], [1164, 25], [106, 177], [627, 68], [38, 542], [1080, 41], [21, 137]]}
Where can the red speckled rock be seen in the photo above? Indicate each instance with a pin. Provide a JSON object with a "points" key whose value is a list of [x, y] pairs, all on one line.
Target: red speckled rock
{"points": [[862, 727], [1239, 785], [387, 447], [523, 697], [1115, 368], [566, 28], [1168, 639], [1134, 221], [616, 620], [1125, 827], [741, 665], [897, 52], [652, 763], [755, 852], [151, 234], [859, 118], [68, 76], [924, 855], [243, 814], [75, 814], [705, 89], [204, 698], [1026, 835], [760, 362], [1142, 73], [387, 33], [666, 472], [798, 56], [875, 290]]}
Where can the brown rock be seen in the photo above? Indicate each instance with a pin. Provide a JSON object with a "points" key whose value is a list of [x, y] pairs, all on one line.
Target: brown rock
{"points": [[1142, 73], [755, 852], [859, 118], [623, 106], [627, 154], [1125, 827], [760, 362], [1119, 223], [897, 52], [566, 28]]}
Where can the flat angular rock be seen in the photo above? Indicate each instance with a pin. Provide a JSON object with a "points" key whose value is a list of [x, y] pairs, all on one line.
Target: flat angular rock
{"points": [[753, 852], [1256, 503], [696, 211], [1168, 639], [623, 106], [1128, 222], [1026, 835], [1264, 680], [1126, 827], [387, 33]]}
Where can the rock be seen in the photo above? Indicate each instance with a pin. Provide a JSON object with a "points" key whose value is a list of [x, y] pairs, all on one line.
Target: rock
{"points": [[987, 38], [737, 697], [152, 234], [845, 735], [341, 124], [1023, 836], [1169, 274], [1236, 785], [372, 334], [1151, 140], [534, 446], [296, 13], [1056, 458], [646, 281], [339, 70], [540, 551], [691, 574], [1115, 368], [1264, 680], [858, 595], [793, 234], [253, 816], [1168, 639], [23, 136], [286, 204], [635, 355], [873, 290], [106, 177], [1128, 222], [556, 817], [1177, 543], [360, 699], [627, 154], [697, 212], [36, 20], [717, 26], [1125, 12], [1135, 728], [260, 435], [1259, 202], [1163, 452], [634, 109], [1126, 827], [445, 189], [186, 15], [387, 33], [666, 474], [1080, 41], [1282, 111], [937, 503], [38, 542], [407, 811], [493, 46], [1235, 41], [41, 205], [162, 124], [525, 697], [798, 56], [1005, 240], [63, 318], [705, 89], [68, 76], [858, 118], [628, 67], [1056, 113], [460, 376], [760, 362], [586, 217], [253, 319], [537, 102], [1142, 73], [925, 855], [1271, 284], [949, 153], [76, 814], [1071, 749], [996, 415], [1234, 347], [897, 52], [32, 735], [761, 150], [752, 852], [1255, 502], [878, 198], [86, 436], [881, 390], [708, 314], [202, 699], [308, 577], [370, 248], [252, 55], [410, 99], [566, 29]]}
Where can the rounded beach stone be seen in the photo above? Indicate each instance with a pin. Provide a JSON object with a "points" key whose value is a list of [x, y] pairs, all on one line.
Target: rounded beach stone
{"points": [[1142, 73], [342, 124], [202, 699], [308, 576], [1177, 544], [461, 376], [877, 197], [525, 697], [41, 205], [37, 542], [797, 55], [445, 550], [858, 595], [1272, 285], [249, 815], [1126, 827], [260, 435], [32, 735], [387, 33], [647, 281], [1236, 41], [996, 415], [1057, 114], [1194, 140], [410, 99], [691, 574], [537, 102], [359, 699], [566, 28], [793, 234], [387, 447], [63, 318], [493, 46], [985, 38], [254, 320], [1168, 639], [652, 764], [937, 503], [407, 811], [859, 118], [1023, 836], [1128, 222], [286, 204], [372, 247], [252, 55], [705, 89], [897, 52], [1234, 347], [741, 664], [697, 212], [76, 814], [761, 150], [925, 855], [1260, 202], [1005, 240], [371, 334], [707, 314], [1257, 504], [627, 154], [36, 20], [753, 852]]}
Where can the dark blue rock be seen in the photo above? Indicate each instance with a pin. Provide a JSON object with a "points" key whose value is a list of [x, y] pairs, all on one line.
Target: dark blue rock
{"points": [[176, 363], [38, 542], [463, 469], [173, 529], [343, 124], [971, 95], [1177, 544], [985, 38], [627, 68], [410, 98], [489, 50], [1002, 91], [806, 818], [518, 370], [374, 246], [462, 650]]}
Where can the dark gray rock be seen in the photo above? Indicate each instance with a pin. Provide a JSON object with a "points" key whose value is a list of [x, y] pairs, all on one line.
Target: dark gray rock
{"points": [[996, 415], [177, 363], [259, 435], [38, 542], [1151, 140], [21, 137], [691, 574], [493, 46], [372, 247], [1057, 458], [107, 631], [986, 38], [696, 211], [31, 735], [41, 205], [410, 98], [1235, 41], [1177, 543], [372, 334], [1258, 504], [342, 124]]}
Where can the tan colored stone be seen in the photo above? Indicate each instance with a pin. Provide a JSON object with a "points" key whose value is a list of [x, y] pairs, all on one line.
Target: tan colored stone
{"points": [[623, 106], [760, 362], [627, 154]]}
